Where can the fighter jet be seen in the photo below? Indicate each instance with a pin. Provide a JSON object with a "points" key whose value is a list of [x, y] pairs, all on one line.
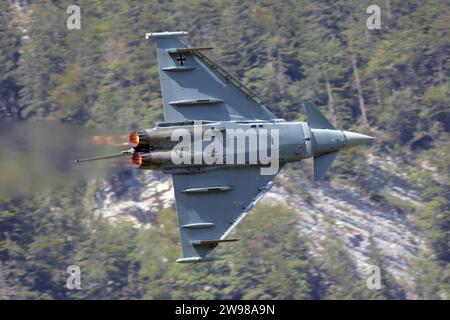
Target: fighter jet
{"points": [[221, 145]]}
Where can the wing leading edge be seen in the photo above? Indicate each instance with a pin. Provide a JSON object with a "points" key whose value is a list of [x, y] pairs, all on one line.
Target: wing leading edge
{"points": [[211, 203], [195, 88]]}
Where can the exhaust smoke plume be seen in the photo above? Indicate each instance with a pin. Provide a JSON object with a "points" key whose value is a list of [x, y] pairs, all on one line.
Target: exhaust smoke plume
{"points": [[39, 156]]}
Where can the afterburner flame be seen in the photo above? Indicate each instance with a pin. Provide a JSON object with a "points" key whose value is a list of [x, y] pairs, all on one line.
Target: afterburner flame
{"points": [[134, 139], [137, 159], [116, 140]]}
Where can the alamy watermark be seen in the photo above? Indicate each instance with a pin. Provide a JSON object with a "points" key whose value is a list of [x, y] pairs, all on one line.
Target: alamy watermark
{"points": [[374, 280], [74, 278], [230, 146], [73, 21], [374, 20]]}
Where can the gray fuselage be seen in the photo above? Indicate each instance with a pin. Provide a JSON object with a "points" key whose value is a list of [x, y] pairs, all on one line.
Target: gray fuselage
{"points": [[236, 143]]}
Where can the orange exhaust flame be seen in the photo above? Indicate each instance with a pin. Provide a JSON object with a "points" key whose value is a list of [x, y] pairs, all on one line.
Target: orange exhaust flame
{"points": [[134, 139], [137, 159], [116, 140]]}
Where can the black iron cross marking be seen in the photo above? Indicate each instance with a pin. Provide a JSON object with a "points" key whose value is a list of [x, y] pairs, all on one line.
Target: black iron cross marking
{"points": [[181, 59]]}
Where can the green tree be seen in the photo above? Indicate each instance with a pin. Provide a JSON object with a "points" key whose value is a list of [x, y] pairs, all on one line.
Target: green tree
{"points": [[9, 57]]}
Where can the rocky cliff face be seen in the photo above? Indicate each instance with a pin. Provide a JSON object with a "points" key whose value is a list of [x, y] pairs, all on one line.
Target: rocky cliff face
{"points": [[355, 220], [136, 196]]}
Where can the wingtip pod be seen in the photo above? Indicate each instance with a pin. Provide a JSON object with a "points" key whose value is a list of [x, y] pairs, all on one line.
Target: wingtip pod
{"points": [[165, 34], [196, 259]]}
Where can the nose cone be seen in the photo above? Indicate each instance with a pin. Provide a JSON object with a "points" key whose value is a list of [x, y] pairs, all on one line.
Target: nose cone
{"points": [[355, 139]]}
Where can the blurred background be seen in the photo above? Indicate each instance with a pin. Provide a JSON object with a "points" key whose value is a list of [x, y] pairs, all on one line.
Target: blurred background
{"points": [[66, 94]]}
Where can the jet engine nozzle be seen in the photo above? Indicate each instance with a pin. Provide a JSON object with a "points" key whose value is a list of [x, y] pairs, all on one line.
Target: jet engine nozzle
{"points": [[151, 160], [142, 140], [139, 140], [137, 159]]}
